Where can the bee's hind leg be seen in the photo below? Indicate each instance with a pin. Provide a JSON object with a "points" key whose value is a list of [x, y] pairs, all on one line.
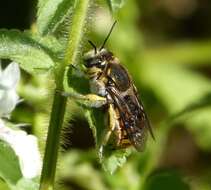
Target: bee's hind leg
{"points": [[89, 100], [111, 125]]}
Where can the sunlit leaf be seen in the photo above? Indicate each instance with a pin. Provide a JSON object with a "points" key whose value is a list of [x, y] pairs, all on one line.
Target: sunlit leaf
{"points": [[115, 159], [180, 53], [185, 94], [198, 121], [9, 164], [175, 86], [203, 102], [41, 3], [49, 42], [51, 13], [20, 48], [3, 185]]}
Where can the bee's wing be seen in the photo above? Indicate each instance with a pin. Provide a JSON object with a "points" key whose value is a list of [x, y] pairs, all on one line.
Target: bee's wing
{"points": [[133, 116], [141, 107]]}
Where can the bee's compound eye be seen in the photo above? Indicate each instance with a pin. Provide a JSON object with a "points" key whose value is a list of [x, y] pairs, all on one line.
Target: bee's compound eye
{"points": [[88, 62], [97, 62], [93, 62]]}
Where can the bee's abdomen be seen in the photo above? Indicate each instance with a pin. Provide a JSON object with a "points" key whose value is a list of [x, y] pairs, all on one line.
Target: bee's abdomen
{"points": [[133, 119], [132, 105]]}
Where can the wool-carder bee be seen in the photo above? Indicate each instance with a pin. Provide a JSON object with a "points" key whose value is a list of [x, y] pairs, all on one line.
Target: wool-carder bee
{"points": [[110, 80]]}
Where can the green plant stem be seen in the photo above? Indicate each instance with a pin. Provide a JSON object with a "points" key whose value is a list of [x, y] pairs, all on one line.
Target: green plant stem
{"points": [[52, 146], [76, 31], [59, 102]]}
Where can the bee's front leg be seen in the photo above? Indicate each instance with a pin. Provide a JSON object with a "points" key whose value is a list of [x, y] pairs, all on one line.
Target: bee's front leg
{"points": [[111, 126], [89, 100]]}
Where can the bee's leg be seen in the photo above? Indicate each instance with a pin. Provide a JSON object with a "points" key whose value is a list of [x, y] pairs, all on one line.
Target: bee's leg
{"points": [[111, 125], [89, 100]]}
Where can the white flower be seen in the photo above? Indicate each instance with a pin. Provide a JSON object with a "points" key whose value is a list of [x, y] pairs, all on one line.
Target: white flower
{"points": [[26, 149], [1, 125], [25, 146], [9, 78]]}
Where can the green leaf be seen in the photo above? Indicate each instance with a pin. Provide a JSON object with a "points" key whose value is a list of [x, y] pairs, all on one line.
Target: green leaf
{"points": [[41, 3], [49, 42], [203, 102], [180, 53], [79, 167], [26, 184], [114, 5], [3, 185], [9, 164], [75, 81], [115, 159], [163, 180], [186, 95], [95, 118], [197, 118], [51, 13], [24, 50], [176, 86], [111, 159], [198, 121]]}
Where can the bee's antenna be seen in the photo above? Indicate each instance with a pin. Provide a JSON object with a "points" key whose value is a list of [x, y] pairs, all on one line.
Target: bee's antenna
{"points": [[108, 35], [93, 45]]}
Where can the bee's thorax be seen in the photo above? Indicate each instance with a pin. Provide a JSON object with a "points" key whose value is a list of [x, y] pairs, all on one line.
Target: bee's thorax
{"points": [[98, 87]]}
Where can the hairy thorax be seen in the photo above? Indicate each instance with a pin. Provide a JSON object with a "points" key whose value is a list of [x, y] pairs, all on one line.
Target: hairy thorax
{"points": [[97, 86]]}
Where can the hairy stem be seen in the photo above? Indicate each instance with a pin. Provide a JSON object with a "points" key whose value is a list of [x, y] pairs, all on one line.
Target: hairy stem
{"points": [[59, 102]]}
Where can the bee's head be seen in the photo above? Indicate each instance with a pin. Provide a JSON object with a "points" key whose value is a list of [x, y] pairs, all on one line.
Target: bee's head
{"points": [[98, 57]]}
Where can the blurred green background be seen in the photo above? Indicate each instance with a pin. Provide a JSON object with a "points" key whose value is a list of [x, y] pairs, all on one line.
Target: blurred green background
{"points": [[166, 46]]}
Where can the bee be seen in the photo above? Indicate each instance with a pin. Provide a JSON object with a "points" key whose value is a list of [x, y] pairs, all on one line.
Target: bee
{"points": [[109, 79]]}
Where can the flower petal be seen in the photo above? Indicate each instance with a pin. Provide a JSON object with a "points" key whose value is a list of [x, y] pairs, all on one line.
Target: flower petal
{"points": [[10, 76], [25, 147], [8, 101]]}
